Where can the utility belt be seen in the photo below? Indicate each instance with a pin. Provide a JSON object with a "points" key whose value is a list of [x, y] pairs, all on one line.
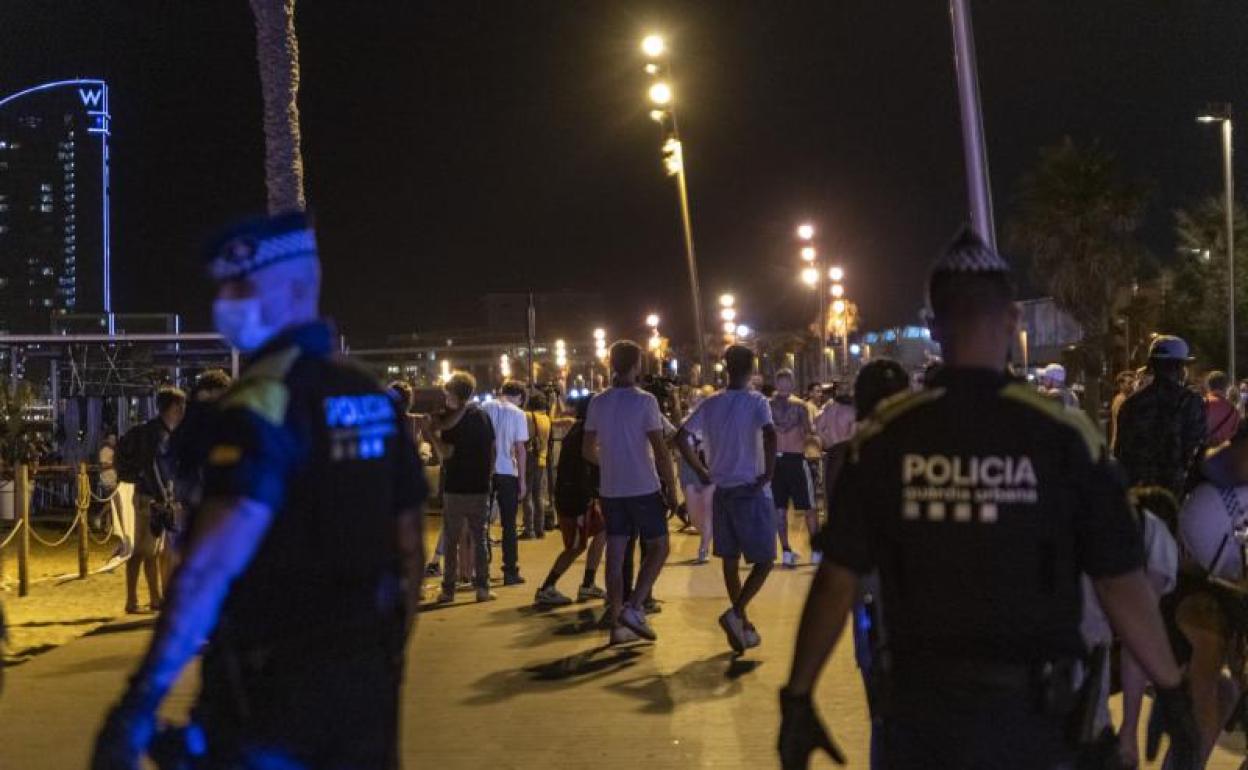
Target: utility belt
{"points": [[1049, 687]]}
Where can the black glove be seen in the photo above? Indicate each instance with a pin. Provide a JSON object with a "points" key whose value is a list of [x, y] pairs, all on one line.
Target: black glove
{"points": [[128, 729], [1172, 715], [801, 733]]}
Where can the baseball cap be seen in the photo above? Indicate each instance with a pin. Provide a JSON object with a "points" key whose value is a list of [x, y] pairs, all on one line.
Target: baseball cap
{"points": [[258, 243], [1167, 347]]}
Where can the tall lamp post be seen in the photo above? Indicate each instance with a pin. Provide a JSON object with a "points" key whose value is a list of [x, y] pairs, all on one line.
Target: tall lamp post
{"points": [[663, 112], [1221, 113], [813, 275], [974, 151]]}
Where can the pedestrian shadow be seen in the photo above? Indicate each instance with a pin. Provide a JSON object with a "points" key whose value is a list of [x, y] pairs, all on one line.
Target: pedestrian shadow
{"points": [[49, 623], [545, 626], [713, 678], [564, 673]]}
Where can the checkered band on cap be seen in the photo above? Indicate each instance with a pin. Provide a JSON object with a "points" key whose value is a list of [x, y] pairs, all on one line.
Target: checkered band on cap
{"points": [[969, 254], [259, 244]]}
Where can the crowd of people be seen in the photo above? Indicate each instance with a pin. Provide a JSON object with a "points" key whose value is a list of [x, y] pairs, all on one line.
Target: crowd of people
{"points": [[983, 541]]}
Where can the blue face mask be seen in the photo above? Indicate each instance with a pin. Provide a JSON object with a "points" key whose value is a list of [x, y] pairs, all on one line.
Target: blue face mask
{"points": [[241, 323]]}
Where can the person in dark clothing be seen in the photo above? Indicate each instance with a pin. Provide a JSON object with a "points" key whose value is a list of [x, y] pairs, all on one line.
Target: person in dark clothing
{"points": [[304, 567], [466, 442], [1162, 426], [979, 503], [581, 523]]}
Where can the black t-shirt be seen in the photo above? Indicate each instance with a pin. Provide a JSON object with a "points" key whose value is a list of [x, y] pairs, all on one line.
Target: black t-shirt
{"points": [[980, 502], [469, 468], [576, 479]]}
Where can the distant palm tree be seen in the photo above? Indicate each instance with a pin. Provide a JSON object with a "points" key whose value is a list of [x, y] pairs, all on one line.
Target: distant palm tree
{"points": [[277, 52], [1078, 220]]}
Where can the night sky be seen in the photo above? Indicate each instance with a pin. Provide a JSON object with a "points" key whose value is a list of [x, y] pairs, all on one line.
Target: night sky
{"points": [[460, 147]]}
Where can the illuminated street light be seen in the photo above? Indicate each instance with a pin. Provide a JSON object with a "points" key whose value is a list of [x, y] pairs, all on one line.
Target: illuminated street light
{"points": [[838, 290], [653, 46], [661, 93], [743, 331], [657, 115], [652, 69], [838, 307], [729, 327], [504, 365], [1222, 113], [805, 231], [600, 334], [808, 253], [810, 276], [727, 300], [836, 274], [654, 342], [652, 321], [728, 314]]}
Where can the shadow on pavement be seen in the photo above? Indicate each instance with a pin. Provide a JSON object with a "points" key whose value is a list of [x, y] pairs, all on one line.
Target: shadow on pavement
{"points": [[48, 623], [130, 625], [700, 680], [571, 671]]}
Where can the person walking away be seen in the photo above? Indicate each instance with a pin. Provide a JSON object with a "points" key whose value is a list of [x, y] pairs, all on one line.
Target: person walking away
{"points": [[1221, 416], [144, 457], [624, 438], [303, 570], [581, 521], [740, 440], [834, 427], [1053, 385], [792, 482], [537, 413], [699, 497], [1162, 426], [511, 438], [466, 444], [189, 448], [107, 483], [979, 502]]}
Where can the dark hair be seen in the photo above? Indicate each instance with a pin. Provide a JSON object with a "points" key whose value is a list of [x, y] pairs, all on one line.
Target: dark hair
{"points": [[513, 388], [537, 402], [582, 407], [461, 385], [211, 379], [1170, 368], [402, 393], [168, 397], [877, 381], [738, 360], [624, 356], [958, 298], [1218, 381], [768, 390]]}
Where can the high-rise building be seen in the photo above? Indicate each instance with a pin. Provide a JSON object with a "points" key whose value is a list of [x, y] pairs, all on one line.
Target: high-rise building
{"points": [[54, 217]]}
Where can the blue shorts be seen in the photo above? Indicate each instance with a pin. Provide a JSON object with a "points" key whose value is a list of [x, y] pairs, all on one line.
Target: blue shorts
{"points": [[644, 515], [744, 524], [793, 483]]}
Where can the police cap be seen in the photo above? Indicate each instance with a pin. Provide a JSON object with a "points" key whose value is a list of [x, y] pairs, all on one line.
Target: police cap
{"points": [[258, 243]]}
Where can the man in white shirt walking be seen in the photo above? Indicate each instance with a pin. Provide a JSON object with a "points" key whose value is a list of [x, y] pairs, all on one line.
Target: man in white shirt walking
{"points": [[624, 437], [740, 442], [511, 434]]}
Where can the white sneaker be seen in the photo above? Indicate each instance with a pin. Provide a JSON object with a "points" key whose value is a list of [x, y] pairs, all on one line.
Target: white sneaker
{"points": [[622, 635], [635, 620], [586, 593], [550, 597], [734, 629], [752, 639], [790, 559], [816, 558]]}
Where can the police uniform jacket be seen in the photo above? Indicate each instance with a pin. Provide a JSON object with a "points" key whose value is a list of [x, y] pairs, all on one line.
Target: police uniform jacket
{"points": [[980, 503], [322, 444]]}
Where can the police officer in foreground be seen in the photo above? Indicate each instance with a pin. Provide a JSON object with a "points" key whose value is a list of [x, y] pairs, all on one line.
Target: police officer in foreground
{"points": [[980, 502], [304, 563]]}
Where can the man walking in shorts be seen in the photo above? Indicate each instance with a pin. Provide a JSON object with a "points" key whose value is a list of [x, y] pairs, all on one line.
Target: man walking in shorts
{"points": [[792, 483], [740, 443], [624, 438]]}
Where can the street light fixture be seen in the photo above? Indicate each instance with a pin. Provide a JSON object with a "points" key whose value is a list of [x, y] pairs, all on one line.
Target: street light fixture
{"points": [[805, 231], [728, 314], [727, 300], [838, 291], [659, 66], [743, 331], [808, 253], [1222, 113], [810, 276], [836, 273], [652, 321], [729, 327]]}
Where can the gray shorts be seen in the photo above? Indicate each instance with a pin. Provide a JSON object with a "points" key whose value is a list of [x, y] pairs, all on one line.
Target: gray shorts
{"points": [[744, 524]]}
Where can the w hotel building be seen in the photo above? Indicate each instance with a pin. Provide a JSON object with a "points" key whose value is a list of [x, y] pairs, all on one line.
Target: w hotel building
{"points": [[54, 217]]}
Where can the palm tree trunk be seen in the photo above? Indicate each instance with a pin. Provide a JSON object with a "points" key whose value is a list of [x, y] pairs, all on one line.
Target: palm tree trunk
{"points": [[277, 52]]}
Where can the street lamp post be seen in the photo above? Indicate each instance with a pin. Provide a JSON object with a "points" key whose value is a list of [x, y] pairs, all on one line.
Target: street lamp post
{"points": [[1222, 114], [814, 276], [658, 66]]}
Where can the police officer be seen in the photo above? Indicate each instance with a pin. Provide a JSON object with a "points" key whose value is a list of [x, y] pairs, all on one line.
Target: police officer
{"points": [[303, 565], [980, 502]]}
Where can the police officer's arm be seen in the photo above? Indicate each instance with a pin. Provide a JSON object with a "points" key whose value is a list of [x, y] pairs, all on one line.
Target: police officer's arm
{"points": [[823, 620], [1131, 605]]}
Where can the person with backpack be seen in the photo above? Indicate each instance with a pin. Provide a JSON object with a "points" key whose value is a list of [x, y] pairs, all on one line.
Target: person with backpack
{"points": [[144, 458], [581, 522]]}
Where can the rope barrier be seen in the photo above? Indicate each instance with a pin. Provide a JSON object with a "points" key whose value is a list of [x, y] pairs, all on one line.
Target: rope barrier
{"points": [[107, 535], [34, 534], [12, 535]]}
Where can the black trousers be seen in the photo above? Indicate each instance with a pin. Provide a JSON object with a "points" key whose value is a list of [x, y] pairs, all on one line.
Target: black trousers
{"points": [[506, 491], [931, 733]]}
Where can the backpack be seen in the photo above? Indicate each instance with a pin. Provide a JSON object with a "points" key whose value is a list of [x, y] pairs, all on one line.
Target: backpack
{"points": [[128, 459]]}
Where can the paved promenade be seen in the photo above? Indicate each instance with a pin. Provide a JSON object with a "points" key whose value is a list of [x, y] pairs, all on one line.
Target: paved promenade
{"points": [[504, 686]]}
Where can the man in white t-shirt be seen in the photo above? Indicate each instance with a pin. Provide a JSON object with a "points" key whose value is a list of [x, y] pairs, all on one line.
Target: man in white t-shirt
{"points": [[511, 434], [740, 442], [624, 437]]}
